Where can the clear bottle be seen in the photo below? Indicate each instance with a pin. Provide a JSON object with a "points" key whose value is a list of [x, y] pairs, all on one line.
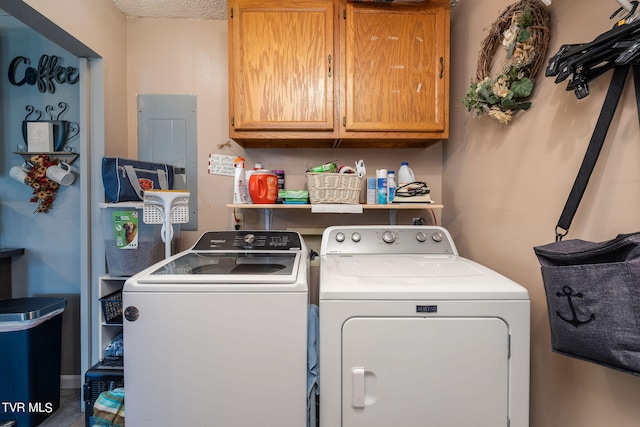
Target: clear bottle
{"points": [[405, 174], [391, 185], [240, 193]]}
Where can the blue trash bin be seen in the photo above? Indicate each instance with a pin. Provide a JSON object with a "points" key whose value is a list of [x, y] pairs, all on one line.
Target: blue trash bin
{"points": [[30, 339]]}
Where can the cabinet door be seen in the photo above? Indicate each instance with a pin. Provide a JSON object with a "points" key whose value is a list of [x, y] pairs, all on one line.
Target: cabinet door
{"points": [[396, 65], [281, 65]]}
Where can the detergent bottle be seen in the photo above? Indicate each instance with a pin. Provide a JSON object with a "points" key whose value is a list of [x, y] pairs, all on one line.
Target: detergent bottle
{"points": [[405, 174], [248, 173], [263, 187]]}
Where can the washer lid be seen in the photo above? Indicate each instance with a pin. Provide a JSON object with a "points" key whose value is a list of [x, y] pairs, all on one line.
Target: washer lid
{"points": [[230, 264], [231, 261], [399, 277], [211, 271]]}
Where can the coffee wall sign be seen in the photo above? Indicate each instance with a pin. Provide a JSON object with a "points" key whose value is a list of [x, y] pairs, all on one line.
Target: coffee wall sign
{"points": [[45, 76]]}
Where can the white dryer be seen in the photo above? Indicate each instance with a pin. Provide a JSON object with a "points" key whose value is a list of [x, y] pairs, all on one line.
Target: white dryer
{"points": [[412, 334], [216, 336]]}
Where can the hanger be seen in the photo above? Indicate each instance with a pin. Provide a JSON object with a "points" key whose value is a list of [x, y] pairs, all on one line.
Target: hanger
{"points": [[587, 61], [630, 7]]}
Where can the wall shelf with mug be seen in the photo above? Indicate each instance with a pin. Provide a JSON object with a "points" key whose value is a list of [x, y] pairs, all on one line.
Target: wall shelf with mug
{"points": [[48, 137], [66, 156]]}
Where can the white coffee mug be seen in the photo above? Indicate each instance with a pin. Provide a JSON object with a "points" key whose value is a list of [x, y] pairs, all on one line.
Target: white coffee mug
{"points": [[61, 173], [19, 173]]}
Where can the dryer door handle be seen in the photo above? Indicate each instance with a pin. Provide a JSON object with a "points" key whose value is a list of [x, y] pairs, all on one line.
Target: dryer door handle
{"points": [[357, 387]]}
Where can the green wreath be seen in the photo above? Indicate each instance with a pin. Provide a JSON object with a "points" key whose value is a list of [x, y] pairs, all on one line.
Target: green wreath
{"points": [[523, 30]]}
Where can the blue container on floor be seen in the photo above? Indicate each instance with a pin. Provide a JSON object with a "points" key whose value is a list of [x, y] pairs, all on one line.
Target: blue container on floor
{"points": [[30, 339]]}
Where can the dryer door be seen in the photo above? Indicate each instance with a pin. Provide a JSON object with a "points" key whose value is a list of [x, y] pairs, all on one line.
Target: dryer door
{"points": [[410, 372]]}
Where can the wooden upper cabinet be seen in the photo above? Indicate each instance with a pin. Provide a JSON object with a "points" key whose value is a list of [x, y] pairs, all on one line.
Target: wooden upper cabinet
{"points": [[281, 66], [396, 69], [336, 73]]}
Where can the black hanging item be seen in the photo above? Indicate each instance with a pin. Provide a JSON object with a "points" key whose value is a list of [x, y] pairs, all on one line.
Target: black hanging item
{"points": [[592, 287], [587, 61], [593, 150]]}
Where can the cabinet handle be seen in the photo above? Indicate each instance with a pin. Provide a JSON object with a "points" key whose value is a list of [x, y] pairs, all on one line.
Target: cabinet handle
{"points": [[441, 67], [329, 65]]}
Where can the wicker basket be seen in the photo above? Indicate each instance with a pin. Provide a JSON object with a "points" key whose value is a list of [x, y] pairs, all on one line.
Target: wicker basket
{"points": [[325, 188]]}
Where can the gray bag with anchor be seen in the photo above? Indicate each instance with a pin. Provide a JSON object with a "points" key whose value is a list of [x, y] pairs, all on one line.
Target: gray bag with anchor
{"points": [[593, 296], [593, 289]]}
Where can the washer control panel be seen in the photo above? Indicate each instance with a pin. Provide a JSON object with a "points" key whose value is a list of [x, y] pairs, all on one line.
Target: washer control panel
{"points": [[248, 240], [391, 239]]}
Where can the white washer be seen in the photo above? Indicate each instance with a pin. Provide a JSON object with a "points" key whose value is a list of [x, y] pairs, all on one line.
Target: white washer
{"points": [[217, 335], [412, 334]]}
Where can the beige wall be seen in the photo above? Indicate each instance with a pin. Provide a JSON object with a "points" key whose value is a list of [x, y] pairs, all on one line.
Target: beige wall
{"points": [[190, 56], [504, 187]]}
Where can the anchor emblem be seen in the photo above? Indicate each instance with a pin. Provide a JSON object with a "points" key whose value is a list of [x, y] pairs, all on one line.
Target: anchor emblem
{"points": [[568, 292]]}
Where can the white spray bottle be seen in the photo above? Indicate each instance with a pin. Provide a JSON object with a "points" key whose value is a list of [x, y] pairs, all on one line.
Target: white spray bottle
{"points": [[240, 193]]}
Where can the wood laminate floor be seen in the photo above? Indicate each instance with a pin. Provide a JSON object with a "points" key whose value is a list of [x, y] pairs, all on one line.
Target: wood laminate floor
{"points": [[70, 412]]}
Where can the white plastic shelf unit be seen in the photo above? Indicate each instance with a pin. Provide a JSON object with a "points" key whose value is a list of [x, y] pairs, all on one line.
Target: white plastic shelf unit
{"points": [[107, 331]]}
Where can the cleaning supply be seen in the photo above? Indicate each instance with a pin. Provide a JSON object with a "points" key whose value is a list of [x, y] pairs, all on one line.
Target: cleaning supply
{"points": [[256, 167], [240, 193], [294, 197], [405, 174], [391, 185], [280, 174], [263, 187], [381, 176], [371, 191], [327, 167]]}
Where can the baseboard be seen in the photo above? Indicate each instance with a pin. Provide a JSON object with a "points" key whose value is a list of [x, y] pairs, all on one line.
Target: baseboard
{"points": [[70, 381]]}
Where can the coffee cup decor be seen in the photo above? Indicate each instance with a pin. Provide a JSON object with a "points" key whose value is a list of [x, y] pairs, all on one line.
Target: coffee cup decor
{"points": [[63, 130]]}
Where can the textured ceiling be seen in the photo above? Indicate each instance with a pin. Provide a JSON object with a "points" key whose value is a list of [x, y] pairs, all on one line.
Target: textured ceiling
{"points": [[188, 9]]}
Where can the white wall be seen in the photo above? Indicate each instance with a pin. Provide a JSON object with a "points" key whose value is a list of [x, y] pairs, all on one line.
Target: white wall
{"points": [[504, 187]]}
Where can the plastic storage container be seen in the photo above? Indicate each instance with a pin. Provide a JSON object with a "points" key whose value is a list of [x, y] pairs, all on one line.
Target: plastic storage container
{"points": [[30, 372], [130, 244], [103, 376]]}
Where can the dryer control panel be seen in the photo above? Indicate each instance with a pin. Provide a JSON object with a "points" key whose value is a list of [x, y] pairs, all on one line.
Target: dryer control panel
{"points": [[380, 239]]}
